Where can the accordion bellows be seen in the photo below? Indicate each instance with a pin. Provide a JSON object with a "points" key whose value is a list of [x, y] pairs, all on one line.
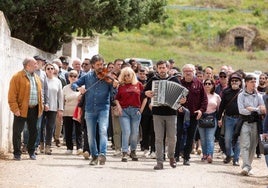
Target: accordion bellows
{"points": [[168, 93]]}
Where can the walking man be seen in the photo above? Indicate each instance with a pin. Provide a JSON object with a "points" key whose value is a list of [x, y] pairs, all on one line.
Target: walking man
{"points": [[196, 103], [25, 101], [97, 107], [165, 119], [250, 105]]}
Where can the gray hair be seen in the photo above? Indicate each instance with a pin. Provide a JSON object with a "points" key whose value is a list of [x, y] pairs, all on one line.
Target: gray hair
{"points": [[27, 60], [190, 66]]}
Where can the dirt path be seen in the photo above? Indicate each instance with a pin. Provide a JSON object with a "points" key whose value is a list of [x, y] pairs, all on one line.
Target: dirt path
{"points": [[60, 170]]}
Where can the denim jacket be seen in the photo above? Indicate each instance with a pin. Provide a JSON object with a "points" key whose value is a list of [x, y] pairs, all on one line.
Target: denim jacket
{"points": [[98, 93]]}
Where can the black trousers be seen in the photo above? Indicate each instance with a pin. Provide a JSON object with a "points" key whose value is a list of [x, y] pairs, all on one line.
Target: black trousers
{"points": [[18, 125], [69, 123], [148, 137]]}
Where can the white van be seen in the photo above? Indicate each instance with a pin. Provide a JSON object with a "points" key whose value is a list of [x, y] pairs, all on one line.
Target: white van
{"points": [[145, 62]]}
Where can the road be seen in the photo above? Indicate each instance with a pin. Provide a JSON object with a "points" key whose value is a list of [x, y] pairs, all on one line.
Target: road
{"points": [[63, 171]]}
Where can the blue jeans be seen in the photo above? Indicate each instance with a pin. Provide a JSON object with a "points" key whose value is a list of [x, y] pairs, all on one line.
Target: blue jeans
{"points": [[102, 118], [207, 139], [129, 122], [232, 151], [39, 121], [26, 132]]}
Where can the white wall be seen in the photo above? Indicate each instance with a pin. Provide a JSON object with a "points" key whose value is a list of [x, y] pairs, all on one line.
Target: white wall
{"points": [[12, 52], [81, 47]]}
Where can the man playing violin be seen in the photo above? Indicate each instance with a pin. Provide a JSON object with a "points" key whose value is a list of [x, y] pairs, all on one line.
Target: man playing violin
{"points": [[98, 90]]}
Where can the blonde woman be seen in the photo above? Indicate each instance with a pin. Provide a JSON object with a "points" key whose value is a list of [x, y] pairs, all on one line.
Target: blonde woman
{"points": [[128, 103]]}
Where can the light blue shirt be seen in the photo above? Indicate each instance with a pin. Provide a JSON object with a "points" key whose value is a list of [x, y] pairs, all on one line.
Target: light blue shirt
{"points": [[245, 100]]}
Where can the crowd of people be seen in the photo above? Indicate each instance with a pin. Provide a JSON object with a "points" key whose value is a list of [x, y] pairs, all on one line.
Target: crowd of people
{"points": [[91, 101]]}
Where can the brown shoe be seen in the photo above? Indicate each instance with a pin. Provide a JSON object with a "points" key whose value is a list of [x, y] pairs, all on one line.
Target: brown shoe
{"points": [[102, 159], [94, 161], [48, 150], [209, 159], [133, 155], [42, 147], [57, 143], [172, 162], [124, 157], [158, 166]]}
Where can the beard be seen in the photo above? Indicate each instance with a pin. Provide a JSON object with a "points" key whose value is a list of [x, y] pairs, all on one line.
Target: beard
{"points": [[235, 86], [163, 74]]}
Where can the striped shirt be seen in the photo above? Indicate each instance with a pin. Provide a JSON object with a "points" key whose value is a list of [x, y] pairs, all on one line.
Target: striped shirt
{"points": [[33, 100]]}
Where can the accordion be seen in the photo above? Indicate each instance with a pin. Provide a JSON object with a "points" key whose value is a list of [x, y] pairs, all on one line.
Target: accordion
{"points": [[167, 93]]}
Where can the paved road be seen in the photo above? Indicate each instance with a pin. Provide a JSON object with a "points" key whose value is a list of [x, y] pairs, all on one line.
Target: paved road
{"points": [[62, 171]]}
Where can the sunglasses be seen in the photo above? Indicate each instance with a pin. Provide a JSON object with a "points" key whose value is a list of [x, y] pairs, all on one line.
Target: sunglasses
{"points": [[234, 80], [73, 76], [207, 84], [50, 68], [223, 76]]}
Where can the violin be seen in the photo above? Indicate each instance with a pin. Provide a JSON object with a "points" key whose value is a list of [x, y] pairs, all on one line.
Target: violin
{"points": [[107, 76]]}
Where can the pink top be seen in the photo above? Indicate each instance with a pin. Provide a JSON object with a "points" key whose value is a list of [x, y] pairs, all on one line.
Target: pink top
{"points": [[214, 101]]}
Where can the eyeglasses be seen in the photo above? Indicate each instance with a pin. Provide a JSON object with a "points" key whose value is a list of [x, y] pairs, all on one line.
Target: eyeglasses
{"points": [[234, 80], [223, 76], [188, 71], [73, 76], [50, 68], [207, 84], [85, 64]]}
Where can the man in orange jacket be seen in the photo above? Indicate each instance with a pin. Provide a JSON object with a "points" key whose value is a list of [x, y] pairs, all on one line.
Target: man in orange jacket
{"points": [[25, 101]]}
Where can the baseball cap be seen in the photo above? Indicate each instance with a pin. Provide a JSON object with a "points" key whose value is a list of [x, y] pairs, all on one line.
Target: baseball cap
{"points": [[37, 57], [236, 76]]}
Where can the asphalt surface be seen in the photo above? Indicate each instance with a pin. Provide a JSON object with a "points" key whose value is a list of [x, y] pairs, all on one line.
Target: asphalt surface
{"points": [[60, 170]]}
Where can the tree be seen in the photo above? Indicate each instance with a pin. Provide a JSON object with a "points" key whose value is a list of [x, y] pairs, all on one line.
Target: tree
{"points": [[47, 24]]}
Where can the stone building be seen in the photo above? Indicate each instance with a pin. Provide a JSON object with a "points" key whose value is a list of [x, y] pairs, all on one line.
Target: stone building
{"points": [[242, 37]]}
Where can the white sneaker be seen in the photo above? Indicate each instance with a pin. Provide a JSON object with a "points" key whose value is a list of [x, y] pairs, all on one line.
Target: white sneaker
{"points": [[251, 173], [117, 153], [86, 155], [79, 152], [153, 155], [69, 152], [146, 153], [245, 171]]}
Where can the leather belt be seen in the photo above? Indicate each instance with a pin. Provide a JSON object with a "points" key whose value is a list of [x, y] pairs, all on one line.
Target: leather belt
{"points": [[234, 116], [32, 106]]}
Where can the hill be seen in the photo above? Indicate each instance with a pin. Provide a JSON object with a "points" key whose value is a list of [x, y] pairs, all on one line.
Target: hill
{"points": [[191, 34]]}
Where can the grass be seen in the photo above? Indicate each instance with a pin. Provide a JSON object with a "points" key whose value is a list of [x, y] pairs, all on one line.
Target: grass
{"points": [[190, 36]]}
